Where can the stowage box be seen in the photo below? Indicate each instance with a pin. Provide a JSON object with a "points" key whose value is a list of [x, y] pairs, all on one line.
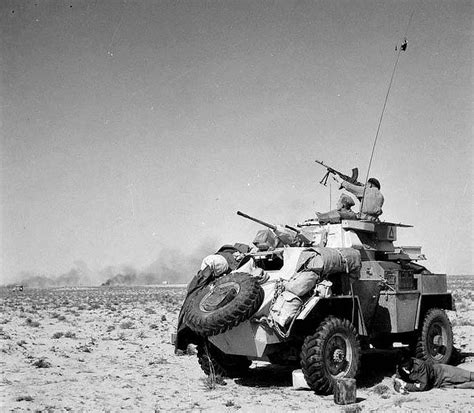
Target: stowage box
{"points": [[396, 312], [432, 283]]}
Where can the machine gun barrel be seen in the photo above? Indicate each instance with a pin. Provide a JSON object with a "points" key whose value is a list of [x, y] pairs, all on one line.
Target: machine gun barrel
{"points": [[298, 231], [352, 179], [300, 235], [266, 224]]}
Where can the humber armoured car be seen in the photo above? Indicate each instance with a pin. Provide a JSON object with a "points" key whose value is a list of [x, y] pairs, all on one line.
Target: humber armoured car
{"points": [[318, 295]]}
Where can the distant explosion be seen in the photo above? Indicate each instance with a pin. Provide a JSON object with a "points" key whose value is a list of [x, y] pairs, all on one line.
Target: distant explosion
{"points": [[76, 276], [172, 266]]}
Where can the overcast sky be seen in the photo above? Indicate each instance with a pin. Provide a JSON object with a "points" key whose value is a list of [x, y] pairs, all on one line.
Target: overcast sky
{"points": [[131, 127]]}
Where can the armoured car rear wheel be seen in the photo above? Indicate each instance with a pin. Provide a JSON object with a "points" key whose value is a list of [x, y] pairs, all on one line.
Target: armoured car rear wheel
{"points": [[435, 342], [223, 304], [332, 352], [211, 359]]}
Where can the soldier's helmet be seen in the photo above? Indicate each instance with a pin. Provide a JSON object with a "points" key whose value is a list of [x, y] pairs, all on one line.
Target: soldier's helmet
{"points": [[375, 182]]}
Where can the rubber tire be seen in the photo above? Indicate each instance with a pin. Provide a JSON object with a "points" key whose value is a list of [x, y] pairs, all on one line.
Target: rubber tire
{"points": [[239, 308], [225, 365], [424, 350], [314, 357]]}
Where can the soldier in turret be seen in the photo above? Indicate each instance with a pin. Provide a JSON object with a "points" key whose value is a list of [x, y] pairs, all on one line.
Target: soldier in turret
{"points": [[369, 195], [343, 211]]}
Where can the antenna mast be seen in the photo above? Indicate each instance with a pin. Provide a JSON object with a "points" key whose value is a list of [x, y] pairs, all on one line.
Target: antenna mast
{"points": [[401, 47]]}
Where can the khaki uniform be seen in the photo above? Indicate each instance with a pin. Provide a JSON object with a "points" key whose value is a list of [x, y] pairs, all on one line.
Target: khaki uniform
{"points": [[373, 200], [343, 211], [425, 376]]}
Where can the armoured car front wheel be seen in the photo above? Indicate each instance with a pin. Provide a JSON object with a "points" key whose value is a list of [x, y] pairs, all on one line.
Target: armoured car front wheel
{"points": [[223, 304], [212, 360], [331, 353], [435, 342]]}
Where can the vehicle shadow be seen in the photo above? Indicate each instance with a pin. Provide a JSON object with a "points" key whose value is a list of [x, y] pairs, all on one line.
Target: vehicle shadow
{"points": [[459, 356], [375, 366], [268, 375]]}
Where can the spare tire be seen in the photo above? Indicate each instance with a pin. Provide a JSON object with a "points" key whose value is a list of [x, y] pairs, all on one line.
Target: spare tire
{"points": [[223, 304]]}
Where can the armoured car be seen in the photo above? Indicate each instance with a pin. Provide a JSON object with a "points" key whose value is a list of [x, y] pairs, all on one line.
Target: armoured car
{"points": [[330, 292]]}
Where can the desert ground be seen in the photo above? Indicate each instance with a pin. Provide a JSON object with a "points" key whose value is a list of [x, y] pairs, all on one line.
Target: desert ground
{"points": [[108, 349]]}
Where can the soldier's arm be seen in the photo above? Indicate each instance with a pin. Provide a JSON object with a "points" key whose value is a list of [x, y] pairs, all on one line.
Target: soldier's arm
{"points": [[420, 379], [417, 386], [357, 190]]}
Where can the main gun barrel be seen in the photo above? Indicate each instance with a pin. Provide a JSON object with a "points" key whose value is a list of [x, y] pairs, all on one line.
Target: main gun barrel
{"points": [[259, 221]]}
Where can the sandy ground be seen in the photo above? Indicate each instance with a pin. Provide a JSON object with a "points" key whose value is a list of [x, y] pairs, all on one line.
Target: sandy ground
{"points": [[108, 349]]}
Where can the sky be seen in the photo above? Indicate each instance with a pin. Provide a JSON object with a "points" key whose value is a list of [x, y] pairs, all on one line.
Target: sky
{"points": [[131, 130]]}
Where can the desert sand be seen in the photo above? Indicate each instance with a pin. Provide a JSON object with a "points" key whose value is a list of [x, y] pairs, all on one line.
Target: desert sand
{"points": [[108, 349]]}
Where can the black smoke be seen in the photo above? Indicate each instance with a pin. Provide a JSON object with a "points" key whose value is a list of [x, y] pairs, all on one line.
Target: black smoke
{"points": [[172, 266]]}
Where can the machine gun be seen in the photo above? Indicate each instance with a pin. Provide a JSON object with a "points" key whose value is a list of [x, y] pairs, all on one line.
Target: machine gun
{"points": [[280, 232], [352, 179], [304, 239]]}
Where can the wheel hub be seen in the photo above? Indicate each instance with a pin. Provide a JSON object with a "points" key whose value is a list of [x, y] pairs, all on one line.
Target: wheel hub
{"points": [[438, 340], [435, 344], [218, 296], [338, 356]]}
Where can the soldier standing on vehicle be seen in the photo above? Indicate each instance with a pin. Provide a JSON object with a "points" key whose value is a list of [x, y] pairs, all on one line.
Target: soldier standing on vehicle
{"points": [[369, 195]]}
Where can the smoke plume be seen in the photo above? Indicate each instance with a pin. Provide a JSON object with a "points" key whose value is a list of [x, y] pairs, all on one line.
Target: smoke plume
{"points": [[172, 266]]}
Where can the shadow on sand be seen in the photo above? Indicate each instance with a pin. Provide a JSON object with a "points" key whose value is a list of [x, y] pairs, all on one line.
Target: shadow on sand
{"points": [[375, 366], [459, 357], [268, 375]]}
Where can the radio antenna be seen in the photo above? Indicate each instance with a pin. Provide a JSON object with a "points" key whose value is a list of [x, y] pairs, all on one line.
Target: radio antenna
{"points": [[400, 48]]}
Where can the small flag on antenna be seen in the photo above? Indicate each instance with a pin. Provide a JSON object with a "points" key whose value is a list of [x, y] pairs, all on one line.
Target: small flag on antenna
{"points": [[404, 45]]}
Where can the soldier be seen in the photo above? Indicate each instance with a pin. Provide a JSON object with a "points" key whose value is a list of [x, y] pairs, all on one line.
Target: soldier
{"points": [[371, 204], [225, 260], [418, 375], [343, 211]]}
